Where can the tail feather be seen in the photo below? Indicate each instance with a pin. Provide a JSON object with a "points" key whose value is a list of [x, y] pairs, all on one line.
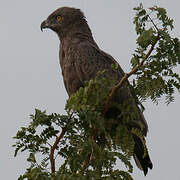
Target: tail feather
{"points": [[143, 162]]}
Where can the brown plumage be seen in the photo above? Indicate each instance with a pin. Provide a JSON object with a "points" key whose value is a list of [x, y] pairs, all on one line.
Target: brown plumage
{"points": [[81, 59]]}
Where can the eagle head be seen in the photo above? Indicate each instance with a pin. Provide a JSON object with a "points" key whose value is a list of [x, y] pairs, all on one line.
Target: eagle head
{"points": [[63, 20]]}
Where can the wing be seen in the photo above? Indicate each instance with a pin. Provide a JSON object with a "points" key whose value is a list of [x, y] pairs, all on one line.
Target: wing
{"points": [[90, 59]]}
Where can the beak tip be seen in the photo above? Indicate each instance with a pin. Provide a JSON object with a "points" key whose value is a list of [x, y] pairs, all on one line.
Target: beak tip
{"points": [[43, 25]]}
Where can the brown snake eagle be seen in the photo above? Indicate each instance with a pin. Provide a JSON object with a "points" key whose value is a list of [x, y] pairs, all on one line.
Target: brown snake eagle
{"points": [[81, 59]]}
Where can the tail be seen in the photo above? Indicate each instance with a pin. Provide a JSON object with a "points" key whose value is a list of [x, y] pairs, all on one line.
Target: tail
{"points": [[143, 162]]}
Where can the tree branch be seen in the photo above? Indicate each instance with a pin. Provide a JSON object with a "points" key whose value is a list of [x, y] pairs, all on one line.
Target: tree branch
{"points": [[51, 155], [127, 75]]}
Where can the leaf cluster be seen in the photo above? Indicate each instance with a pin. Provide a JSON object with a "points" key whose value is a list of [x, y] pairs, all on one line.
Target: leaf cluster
{"points": [[42, 128], [157, 77]]}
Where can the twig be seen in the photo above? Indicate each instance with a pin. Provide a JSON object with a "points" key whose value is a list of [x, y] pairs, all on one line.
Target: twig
{"points": [[126, 76], [153, 23], [51, 155], [49, 144]]}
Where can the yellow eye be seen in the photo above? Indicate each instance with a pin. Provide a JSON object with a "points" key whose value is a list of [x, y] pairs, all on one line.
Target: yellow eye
{"points": [[58, 18]]}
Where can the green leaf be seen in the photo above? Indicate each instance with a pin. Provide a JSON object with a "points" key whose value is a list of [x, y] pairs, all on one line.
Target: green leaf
{"points": [[145, 39]]}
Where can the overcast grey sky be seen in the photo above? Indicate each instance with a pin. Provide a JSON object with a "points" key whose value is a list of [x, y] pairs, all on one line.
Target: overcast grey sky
{"points": [[30, 76]]}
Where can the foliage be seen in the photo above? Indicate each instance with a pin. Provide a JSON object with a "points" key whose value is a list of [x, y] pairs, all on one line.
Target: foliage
{"points": [[158, 76], [85, 145], [84, 123]]}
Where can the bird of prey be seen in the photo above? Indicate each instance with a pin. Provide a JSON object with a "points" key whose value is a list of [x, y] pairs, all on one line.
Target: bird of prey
{"points": [[81, 59]]}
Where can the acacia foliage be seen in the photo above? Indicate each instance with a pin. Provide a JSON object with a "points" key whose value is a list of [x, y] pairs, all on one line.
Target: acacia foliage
{"points": [[158, 76], [88, 149], [87, 140]]}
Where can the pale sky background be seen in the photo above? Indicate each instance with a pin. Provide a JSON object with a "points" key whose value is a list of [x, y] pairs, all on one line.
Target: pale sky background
{"points": [[30, 76]]}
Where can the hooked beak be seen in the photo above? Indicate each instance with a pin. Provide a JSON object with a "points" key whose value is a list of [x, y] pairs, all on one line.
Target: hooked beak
{"points": [[45, 24]]}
